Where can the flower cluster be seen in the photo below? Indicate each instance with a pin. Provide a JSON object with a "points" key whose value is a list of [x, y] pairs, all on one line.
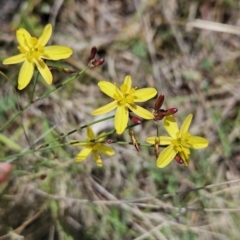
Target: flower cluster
{"points": [[35, 53]]}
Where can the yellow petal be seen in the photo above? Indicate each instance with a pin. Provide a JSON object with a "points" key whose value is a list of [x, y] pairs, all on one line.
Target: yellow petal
{"points": [[171, 126], [185, 126], [197, 142], [141, 112], [107, 108], [14, 59], [44, 70], [90, 134], [185, 156], [81, 144], [151, 140], [44, 38], [121, 119], [163, 140], [56, 52], [97, 158], [109, 89], [127, 84], [166, 156], [23, 38], [105, 150], [142, 95], [82, 155], [25, 74]]}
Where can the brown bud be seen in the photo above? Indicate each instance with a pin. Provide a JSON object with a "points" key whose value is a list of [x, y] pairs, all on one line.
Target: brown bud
{"points": [[171, 111], [135, 119], [159, 114], [93, 53], [159, 102], [95, 63], [178, 159], [110, 141]]}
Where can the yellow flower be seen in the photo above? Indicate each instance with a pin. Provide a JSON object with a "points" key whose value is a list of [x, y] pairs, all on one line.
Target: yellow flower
{"points": [[32, 52], [124, 99], [180, 141], [93, 147]]}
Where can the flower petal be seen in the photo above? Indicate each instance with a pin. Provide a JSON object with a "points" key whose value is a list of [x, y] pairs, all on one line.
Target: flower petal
{"points": [[90, 134], [44, 38], [184, 154], [141, 112], [105, 150], [14, 59], [127, 84], [97, 158], [25, 74], [164, 140], [44, 70], [81, 144], [197, 142], [166, 156], [171, 126], [185, 126], [121, 119], [56, 52], [109, 89], [142, 95], [82, 155], [23, 38], [107, 108]]}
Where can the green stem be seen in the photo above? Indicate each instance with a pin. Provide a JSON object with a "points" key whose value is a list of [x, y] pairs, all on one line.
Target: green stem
{"points": [[41, 97], [67, 144]]}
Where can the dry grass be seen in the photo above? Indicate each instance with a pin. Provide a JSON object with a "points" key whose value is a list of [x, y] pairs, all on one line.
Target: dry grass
{"points": [[174, 46]]}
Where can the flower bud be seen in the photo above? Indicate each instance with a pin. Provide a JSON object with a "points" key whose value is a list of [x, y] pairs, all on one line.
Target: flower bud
{"points": [[178, 159], [135, 119], [159, 114], [93, 53], [159, 102], [171, 111]]}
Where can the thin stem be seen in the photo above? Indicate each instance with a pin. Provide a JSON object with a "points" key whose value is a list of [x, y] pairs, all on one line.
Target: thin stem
{"points": [[41, 97]]}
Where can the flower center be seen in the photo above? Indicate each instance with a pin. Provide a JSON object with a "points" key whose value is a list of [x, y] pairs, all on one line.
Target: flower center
{"points": [[181, 143], [31, 49], [126, 96]]}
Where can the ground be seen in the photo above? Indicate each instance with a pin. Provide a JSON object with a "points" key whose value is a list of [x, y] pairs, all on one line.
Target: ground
{"points": [[188, 51]]}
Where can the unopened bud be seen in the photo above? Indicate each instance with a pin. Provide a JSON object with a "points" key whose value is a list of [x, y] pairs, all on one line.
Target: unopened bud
{"points": [[171, 111], [159, 102], [95, 63], [93, 53], [178, 159], [159, 114], [135, 119]]}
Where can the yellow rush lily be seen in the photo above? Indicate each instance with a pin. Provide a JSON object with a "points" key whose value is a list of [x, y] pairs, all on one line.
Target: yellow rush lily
{"points": [[93, 147], [180, 141], [125, 98], [32, 52]]}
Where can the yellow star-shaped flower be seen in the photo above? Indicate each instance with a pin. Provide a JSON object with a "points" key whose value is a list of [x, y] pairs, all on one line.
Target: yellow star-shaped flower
{"points": [[92, 146], [125, 99], [32, 52], [180, 141]]}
